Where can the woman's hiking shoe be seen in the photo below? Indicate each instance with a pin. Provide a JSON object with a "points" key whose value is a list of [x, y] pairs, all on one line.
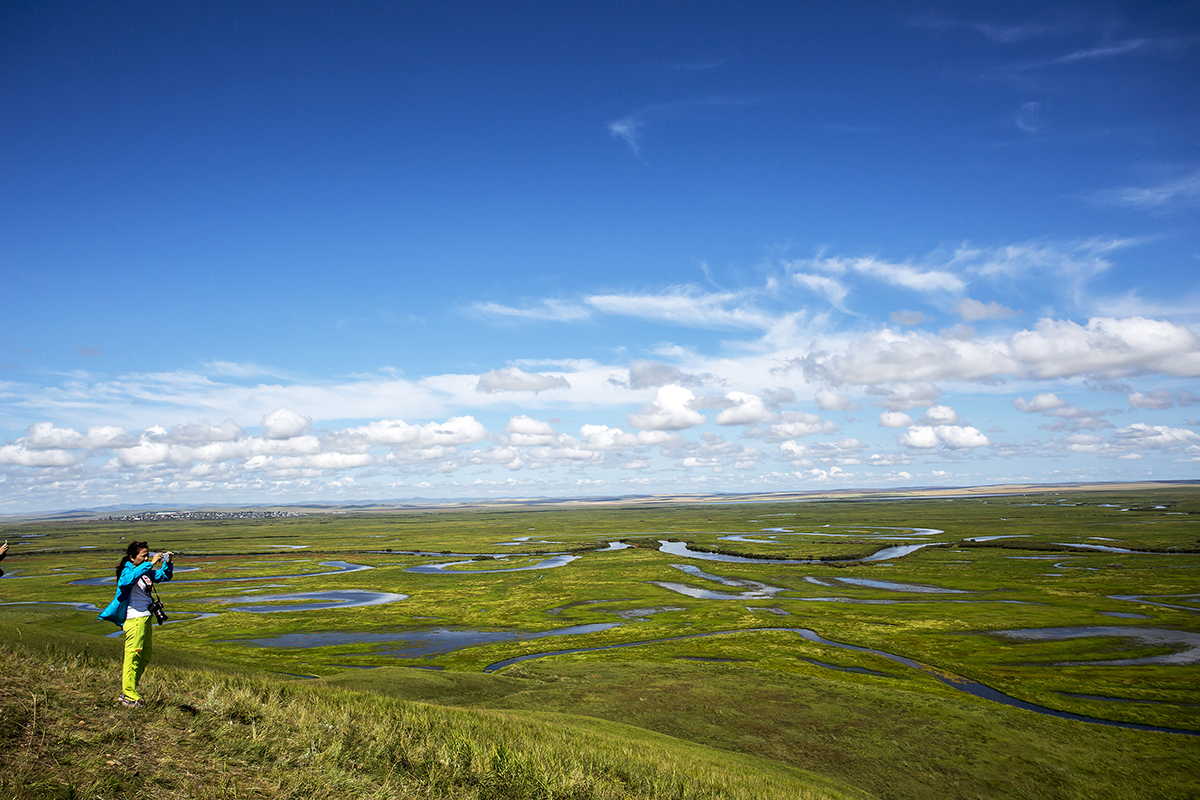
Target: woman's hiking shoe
{"points": [[125, 701]]}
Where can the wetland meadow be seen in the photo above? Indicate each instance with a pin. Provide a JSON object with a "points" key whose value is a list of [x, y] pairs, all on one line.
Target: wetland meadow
{"points": [[1043, 643]]}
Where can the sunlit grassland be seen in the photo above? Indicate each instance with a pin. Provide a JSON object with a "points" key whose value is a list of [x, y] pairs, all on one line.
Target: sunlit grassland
{"points": [[897, 733], [214, 733]]}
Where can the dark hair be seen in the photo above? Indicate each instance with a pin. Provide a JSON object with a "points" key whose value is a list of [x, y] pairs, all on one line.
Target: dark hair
{"points": [[130, 552]]}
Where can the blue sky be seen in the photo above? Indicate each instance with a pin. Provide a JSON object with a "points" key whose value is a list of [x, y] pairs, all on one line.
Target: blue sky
{"points": [[293, 252]]}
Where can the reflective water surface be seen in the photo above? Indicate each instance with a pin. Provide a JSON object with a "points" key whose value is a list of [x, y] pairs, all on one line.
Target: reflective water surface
{"points": [[682, 549], [415, 643], [339, 567], [899, 587], [310, 601], [444, 568], [1190, 642]]}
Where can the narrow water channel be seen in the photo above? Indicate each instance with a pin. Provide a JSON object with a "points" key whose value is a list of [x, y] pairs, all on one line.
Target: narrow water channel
{"points": [[958, 682]]}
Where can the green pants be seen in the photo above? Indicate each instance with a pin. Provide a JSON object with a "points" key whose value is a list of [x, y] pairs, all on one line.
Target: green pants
{"points": [[137, 653]]}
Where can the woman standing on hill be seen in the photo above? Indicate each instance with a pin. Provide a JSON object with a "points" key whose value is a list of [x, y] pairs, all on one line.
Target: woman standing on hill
{"points": [[130, 609]]}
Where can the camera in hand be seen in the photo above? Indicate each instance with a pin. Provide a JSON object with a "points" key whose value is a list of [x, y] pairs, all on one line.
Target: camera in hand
{"points": [[156, 608]]}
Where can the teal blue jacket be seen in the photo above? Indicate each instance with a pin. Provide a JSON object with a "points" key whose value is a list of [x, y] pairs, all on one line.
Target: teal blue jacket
{"points": [[119, 607]]}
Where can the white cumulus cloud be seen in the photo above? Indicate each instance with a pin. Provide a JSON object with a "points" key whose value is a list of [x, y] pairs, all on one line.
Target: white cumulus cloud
{"points": [[284, 423], [1060, 348], [748, 409], [670, 411], [1052, 349], [925, 437], [21, 455], [44, 436], [829, 400], [396, 432], [795, 425], [939, 415], [525, 431], [1042, 402], [514, 379]]}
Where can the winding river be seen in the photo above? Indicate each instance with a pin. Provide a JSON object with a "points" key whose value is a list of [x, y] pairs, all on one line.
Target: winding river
{"points": [[958, 682], [444, 640]]}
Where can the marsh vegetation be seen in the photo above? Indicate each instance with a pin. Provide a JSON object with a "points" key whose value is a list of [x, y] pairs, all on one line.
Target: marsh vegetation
{"points": [[498, 621]]}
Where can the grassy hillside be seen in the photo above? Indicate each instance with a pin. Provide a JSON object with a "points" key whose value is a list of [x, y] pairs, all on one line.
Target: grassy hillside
{"points": [[210, 732], [898, 738]]}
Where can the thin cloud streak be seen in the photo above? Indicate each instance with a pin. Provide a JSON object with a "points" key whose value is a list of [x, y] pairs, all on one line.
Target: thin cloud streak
{"points": [[683, 307], [997, 32], [1181, 190], [545, 311], [630, 128]]}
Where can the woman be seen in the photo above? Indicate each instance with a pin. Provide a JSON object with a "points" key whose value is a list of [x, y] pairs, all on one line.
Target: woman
{"points": [[130, 609]]}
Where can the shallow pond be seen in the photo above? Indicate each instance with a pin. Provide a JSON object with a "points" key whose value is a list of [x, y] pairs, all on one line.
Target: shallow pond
{"points": [[682, 549], [339, 568], [1187, 603], [1103, 548], [415, 643], [523, 540], [1162, 637], [310, 601], [753, 589], [893, 586], [765, 593], [77, 606], [444, 568], [756, 590], [848, 531]]}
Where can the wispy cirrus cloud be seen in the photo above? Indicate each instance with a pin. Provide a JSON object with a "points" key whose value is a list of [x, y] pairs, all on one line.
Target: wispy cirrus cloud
{"points": [[630, 127], [687, 306], [545, 310], [1107, 50], [1001, 33], [833, 289], [680, 305], [1029, 118], [941, 278], [918, 278], [1066, 267], [1139, 45], [1184, 189], [1111, 49], [1074, 258]]}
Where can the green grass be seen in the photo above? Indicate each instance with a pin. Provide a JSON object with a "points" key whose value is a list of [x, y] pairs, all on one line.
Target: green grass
{"points": [[899, 734], [213, 733]]}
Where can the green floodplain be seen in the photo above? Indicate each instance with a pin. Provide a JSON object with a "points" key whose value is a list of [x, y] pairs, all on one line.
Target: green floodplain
{"points": [[715, 673]]}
